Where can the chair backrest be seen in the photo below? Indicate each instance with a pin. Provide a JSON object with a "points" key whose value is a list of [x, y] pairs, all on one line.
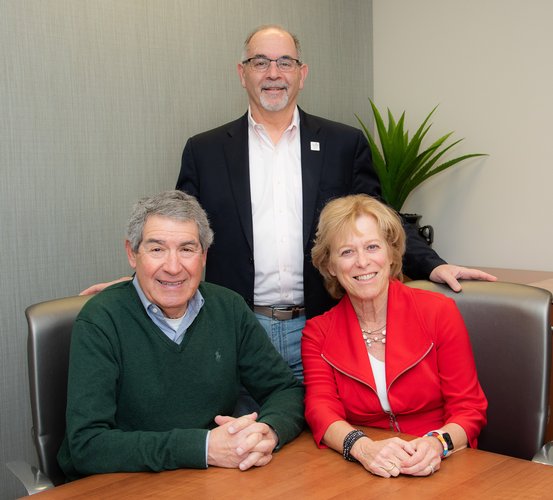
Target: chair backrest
{"points": [[50, 324], [510, 333]]}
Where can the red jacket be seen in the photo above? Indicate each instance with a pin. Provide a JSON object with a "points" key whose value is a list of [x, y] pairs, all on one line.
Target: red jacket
{"points": [[430, 371]]}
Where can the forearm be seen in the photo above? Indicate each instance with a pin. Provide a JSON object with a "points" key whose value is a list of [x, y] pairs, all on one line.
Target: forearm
{"points": [[284, 412], [335, 435], [94, 451], [419, 260]]}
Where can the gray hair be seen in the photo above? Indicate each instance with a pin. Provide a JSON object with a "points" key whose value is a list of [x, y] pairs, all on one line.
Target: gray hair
{"points": [[174, 205], [268, 27]]}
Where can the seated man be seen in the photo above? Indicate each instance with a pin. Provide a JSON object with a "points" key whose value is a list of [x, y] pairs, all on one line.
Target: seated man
{"points": [[156, 363]]}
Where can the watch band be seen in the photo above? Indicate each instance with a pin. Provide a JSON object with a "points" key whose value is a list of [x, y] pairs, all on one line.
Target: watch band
{"points": [[445, 439]]}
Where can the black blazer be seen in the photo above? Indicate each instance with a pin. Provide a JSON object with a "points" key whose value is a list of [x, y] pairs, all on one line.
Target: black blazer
{"points": [[215, 169]]}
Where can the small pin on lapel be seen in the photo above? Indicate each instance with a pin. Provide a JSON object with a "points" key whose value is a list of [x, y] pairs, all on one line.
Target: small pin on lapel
{"points": [[315, 146]]}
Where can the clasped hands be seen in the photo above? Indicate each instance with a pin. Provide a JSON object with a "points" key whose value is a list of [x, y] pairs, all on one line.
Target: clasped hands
{"points": [[240, 442], [395, 456]]}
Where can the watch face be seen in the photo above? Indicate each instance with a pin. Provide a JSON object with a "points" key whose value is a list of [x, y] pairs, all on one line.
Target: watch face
{"points": [[448, 440]]}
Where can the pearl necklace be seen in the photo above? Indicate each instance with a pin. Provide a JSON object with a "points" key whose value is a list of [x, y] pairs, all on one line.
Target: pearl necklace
{"points": [[376, 335]]}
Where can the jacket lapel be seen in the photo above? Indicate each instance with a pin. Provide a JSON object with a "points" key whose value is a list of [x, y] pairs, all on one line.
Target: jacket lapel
{"points": [[312, 153], [344, 347], [406, 341], [238, 164]]}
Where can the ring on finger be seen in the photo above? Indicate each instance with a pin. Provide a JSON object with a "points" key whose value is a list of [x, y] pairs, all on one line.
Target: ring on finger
{"points": [[391, 467], [431, 469]]}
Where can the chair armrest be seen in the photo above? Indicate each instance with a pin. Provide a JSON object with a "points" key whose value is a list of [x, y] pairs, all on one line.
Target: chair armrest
{"points": [[30, 476], [545, 455]]}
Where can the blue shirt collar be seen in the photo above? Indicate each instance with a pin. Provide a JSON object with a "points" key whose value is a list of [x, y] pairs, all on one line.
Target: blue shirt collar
{"points": [[156, 314]]}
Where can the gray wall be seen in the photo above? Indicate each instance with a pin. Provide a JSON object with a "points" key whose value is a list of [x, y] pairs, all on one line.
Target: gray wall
{"points": [[97, 98], [488, 66]]}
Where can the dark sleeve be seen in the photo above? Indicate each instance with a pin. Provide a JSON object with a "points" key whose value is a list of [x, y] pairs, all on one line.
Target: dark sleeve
{"points": [[95, 444], [419, 259], [269, 379], [188, 180]]}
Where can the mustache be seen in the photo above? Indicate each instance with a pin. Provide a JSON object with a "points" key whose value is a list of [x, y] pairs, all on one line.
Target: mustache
{"points": [[274, 85]]}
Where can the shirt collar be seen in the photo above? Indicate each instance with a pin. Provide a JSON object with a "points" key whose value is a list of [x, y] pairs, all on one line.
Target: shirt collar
{"points": [[292, 128], [194, 304]]}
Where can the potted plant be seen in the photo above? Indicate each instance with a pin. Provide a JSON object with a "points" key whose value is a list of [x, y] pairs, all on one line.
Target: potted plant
{"points": [[401, 165]]}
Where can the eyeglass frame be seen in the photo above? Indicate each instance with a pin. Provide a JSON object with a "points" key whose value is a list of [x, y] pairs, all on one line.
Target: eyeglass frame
{"points": [[281, 58]]}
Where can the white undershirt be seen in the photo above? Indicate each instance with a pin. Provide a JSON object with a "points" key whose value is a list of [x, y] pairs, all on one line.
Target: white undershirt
{"points": [[276, 194], [379, 372]]}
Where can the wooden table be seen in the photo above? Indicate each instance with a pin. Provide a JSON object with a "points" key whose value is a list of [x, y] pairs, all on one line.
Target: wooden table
{"points": [[302, 471], [541, 279]]}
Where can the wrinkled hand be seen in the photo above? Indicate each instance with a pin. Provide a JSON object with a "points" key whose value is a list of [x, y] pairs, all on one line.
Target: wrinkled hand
{"points": [[449, 274], [425, 460], [240, 442], [383, 458], [98, 287]]}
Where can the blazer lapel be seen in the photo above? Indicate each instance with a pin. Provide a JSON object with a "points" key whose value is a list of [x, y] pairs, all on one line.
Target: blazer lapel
{"points": [[344, 347], [312, 153], [407, 341], [238, 164]]}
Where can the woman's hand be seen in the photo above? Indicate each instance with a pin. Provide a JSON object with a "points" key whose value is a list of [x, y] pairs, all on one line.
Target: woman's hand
{"points": [[425, 460], [383, 458]]}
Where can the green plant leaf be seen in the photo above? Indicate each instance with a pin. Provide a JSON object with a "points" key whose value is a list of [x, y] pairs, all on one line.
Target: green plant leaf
{"points": [[399, 162]]}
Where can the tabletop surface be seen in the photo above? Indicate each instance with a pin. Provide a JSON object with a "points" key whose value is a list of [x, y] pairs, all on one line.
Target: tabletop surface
{"points": [[302, 471], [541, 279]]}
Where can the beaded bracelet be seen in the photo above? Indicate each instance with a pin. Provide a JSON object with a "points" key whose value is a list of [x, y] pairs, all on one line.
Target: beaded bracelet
{"points": [[349, 441]]}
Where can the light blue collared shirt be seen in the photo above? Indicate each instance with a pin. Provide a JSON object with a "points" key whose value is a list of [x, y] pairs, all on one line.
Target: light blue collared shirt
{"points": [[156, 314]]}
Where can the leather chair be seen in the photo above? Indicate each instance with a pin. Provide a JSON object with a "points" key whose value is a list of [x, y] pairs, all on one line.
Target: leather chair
{"points": [[510, 333], [49, 336]]}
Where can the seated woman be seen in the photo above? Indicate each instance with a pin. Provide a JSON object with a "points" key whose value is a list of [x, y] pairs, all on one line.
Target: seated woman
{"points": [[386, 355]]}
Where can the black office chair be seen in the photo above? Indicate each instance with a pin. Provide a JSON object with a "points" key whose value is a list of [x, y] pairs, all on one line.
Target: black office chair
{"points": [[509, 329], [50, 324]]}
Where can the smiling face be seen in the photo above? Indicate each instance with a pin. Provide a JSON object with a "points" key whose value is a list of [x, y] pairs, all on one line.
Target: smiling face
{"points": [[169, 263], [360, 261], [272, 90]]}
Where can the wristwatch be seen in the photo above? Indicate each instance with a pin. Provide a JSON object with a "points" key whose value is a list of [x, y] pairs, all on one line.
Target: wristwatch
{"points": [[445, 439]]}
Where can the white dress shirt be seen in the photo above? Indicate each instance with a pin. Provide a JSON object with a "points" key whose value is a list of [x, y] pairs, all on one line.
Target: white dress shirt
{"points": [[276, 194]]}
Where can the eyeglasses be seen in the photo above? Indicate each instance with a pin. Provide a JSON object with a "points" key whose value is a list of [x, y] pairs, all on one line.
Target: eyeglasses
{"points": [[261, 63]]}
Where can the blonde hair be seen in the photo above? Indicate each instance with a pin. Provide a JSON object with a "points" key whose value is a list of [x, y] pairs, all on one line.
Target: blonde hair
{"points": [[338, 217]]}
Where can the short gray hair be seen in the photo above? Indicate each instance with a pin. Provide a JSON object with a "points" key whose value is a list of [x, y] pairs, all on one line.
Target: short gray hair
{"points": [[268, 27], [174, 205]]}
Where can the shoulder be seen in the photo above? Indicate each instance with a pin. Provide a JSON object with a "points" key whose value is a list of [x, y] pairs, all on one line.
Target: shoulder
{"points": [[228, 129], [420, 295], [329, 126], [111, 301], [324, 323], [428, 304]]}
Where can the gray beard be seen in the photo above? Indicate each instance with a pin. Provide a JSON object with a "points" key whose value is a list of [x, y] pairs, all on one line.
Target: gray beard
{"points": [[274, 106]]}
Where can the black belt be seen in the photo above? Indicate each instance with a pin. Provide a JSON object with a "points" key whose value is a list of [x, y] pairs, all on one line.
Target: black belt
{"points": [[282, 313]]}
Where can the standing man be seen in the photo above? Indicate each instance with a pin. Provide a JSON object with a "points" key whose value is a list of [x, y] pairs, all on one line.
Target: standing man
{"points": [[264, 178]]}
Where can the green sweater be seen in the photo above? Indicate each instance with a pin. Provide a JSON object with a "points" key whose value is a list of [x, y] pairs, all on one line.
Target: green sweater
{"points": [[137, 401]]}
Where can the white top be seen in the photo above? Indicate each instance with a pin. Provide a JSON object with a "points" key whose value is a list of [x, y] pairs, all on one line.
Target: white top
{"points": [[276, 194], [379, 372]]}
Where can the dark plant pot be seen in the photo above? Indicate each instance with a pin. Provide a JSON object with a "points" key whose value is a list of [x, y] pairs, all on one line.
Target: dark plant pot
{"points": [[426, 232]]}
